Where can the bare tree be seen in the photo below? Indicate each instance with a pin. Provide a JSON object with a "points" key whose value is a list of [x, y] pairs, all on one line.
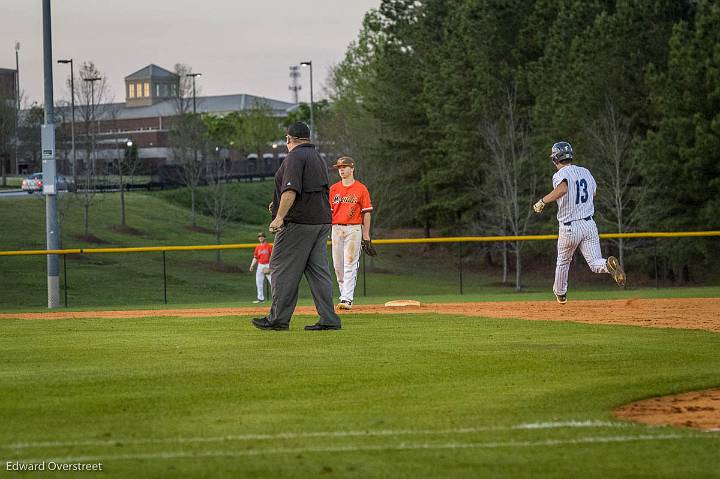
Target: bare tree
{"points": [[184, 94], [609, 141], [91, 96], [218, 202], [512, 173], [187, 135]]}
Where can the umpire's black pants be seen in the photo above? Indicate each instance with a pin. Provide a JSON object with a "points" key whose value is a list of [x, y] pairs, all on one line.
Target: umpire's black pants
{"points": [[301, 249]]}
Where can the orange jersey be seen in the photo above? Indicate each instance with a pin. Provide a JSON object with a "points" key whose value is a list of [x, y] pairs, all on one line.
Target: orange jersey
{"points": [[262, 253], [348, 203]]}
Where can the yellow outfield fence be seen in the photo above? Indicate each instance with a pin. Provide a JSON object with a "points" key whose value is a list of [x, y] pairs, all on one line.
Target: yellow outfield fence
{"points": [[455, 239]]}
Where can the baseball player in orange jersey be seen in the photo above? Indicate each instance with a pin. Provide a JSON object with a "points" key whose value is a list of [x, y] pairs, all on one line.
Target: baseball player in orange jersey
{"points": [[351, 208], [261, 258], [574, 190]]}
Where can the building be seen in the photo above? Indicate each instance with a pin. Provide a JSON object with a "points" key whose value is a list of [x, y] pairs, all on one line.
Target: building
{"points": [[8, 97], [145, 117]]}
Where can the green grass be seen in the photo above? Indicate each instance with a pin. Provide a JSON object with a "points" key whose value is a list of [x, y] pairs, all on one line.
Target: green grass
{"points": [[250, 200], [428, 273], [425, 395]]}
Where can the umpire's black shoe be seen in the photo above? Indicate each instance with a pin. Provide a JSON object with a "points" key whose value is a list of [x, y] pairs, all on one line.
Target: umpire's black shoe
{"points": [[321, 327], [263, 323]]}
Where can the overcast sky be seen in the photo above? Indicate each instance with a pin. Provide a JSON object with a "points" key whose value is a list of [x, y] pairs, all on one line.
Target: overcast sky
{"points": [[239, 46]]}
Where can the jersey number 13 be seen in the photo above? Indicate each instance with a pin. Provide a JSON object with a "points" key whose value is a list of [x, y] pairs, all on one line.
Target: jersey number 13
{"points": [[578, 197]]}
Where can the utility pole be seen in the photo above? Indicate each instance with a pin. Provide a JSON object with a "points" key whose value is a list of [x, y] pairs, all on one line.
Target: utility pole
{"points": [[17, 105], [294, 87], [312, 119], [49, 168]]}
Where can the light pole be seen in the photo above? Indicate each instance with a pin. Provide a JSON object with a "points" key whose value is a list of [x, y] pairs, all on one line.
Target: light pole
{"points": [[72, 116], [17, 104], [193, 75], [52, 226], [312, 119]]}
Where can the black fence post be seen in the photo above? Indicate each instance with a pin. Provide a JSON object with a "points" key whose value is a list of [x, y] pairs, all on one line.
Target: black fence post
{"points": [[65, 285], [657, 280], [363, 270], [164, 279], [460, 265]]}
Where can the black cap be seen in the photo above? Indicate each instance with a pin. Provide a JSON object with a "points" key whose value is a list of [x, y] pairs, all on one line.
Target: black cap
{"points": [[299, 130]]}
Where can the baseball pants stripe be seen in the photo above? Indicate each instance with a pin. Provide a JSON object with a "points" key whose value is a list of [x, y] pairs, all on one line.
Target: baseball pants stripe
{"points": [[261, 273], [582, 234], [346, 246]]}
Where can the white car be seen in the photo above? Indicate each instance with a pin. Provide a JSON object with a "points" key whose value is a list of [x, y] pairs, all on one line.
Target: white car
{"points": [[34, 183]]}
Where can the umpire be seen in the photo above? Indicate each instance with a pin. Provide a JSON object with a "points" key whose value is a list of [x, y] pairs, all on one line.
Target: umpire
{"points": [[301, 223]]}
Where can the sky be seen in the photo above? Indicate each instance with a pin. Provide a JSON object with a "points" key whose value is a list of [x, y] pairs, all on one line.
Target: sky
{"points": [[239, 46]]}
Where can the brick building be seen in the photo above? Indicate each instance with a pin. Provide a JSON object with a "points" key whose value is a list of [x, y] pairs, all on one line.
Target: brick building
{"points": [[151, 105]]}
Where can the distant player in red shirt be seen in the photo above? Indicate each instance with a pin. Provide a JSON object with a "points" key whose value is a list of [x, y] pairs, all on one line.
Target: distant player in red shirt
{"points": [[351, 208], [261, 258]]}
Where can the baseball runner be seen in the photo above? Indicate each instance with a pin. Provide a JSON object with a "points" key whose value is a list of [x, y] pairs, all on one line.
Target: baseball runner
{"points": [[574, 190], [351, 209], [261, 258]]}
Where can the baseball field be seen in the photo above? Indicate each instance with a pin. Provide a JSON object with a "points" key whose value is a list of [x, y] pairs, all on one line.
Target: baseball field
{"points": [[492, 389]]}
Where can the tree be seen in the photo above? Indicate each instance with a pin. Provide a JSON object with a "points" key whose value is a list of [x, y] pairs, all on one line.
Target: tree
{"points": [[258, 128], [187, 135], [184, 94], [513, 171], [8, 123], [91, 99], [681, 152], [29, 127], [616, 171], [218, 201]]}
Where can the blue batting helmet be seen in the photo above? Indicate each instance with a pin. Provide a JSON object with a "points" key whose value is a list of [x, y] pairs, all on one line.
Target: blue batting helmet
{"points": [[561, 151]]}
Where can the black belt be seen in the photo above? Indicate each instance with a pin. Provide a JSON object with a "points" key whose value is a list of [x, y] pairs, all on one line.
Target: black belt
{"points": [[571, 222]]}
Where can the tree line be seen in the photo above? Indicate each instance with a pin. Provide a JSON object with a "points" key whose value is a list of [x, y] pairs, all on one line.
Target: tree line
{"points": [[451, 107]]}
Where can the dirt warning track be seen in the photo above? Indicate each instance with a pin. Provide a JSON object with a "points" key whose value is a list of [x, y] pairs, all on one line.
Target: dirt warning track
{"points": [[685, 313]]}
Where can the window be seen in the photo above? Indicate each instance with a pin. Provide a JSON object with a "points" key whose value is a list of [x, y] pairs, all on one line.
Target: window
{"points": [[146, 92], [131, 90], [173, 90]]}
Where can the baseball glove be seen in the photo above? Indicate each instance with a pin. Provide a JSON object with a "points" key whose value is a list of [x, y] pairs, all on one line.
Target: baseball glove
{"points": [[539, 206], [368, 248]]}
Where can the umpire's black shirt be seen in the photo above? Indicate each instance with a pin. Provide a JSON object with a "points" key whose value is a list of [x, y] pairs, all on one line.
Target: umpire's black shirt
{"points": [[305, 172]]}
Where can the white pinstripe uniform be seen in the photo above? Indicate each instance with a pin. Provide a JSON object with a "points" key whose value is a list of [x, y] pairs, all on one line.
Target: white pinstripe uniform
{"points": [[577, 227]]}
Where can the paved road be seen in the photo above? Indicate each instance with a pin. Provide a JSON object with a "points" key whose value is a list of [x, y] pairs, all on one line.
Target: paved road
{"points": [[19, 194]]}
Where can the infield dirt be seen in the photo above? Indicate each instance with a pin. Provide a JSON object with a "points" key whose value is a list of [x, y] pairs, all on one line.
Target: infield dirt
{"points": [[699, 409]]}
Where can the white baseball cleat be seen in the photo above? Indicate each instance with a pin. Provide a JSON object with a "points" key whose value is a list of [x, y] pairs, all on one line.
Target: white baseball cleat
{"points": [[561, 298], [616, 271], [344, 304]]}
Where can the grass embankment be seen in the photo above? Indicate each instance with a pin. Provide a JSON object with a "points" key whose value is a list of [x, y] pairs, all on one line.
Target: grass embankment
{"points": [[428, 273], [389, 396]]}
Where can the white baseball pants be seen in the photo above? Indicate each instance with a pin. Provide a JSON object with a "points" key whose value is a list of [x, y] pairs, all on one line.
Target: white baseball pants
{"points": [[346, 246], [262, 272], [583, 234]]}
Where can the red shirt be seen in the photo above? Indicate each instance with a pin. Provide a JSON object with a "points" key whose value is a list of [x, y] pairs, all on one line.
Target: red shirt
{"points": [[262, 253], [348, 203]]}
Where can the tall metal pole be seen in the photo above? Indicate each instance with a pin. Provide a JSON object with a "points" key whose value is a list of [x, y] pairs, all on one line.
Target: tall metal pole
{"points": [[194, 105], [312, 101], [49, 173], [17, 103], [72, 121]]}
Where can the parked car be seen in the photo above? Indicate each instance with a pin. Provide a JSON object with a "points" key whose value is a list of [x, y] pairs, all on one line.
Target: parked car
{"points": [[34, 183]]}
